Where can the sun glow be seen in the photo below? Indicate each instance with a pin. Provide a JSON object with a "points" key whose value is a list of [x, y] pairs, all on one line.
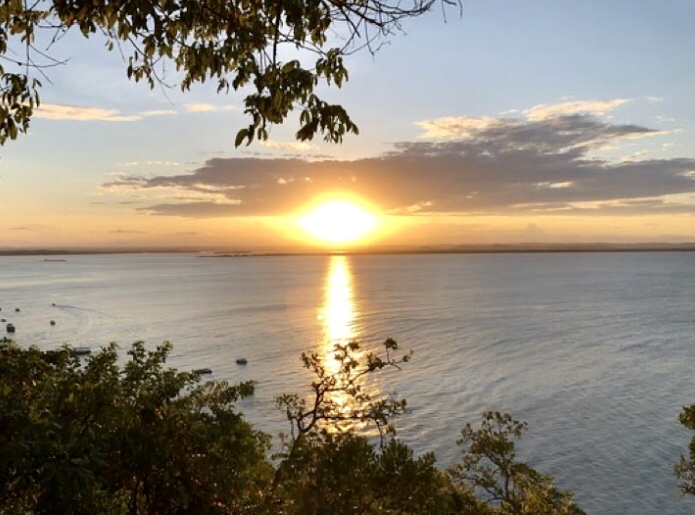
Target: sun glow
{"points": [[338, 221]]}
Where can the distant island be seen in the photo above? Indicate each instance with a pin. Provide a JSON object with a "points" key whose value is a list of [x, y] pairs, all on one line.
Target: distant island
{"points": [[368, 250]]}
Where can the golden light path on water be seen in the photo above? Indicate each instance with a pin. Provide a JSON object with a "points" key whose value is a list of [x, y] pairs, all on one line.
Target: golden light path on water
{"points": [[338, 317], [338, 312]]}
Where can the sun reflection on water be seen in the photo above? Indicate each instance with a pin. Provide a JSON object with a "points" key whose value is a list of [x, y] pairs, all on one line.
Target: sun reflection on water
{"points": [[338, 311], [338, 317]]}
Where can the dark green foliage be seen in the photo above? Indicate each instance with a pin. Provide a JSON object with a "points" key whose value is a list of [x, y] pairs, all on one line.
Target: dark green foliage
{"points": [[96, 438], [350, 475], [326, 463], [92, 436], [235, 44], [489, 467], [685, 468]]}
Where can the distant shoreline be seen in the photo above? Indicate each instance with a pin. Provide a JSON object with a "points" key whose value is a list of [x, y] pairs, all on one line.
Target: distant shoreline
{"points": [[434, 249]]}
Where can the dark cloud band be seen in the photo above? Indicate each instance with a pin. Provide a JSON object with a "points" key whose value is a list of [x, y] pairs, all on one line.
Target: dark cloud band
{"points": [[509, 166]]}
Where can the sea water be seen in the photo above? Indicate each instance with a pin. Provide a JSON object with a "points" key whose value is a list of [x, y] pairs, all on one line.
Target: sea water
{"points": [[593, 350]]}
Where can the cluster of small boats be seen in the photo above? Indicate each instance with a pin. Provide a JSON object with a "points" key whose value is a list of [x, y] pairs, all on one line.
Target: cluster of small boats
{"points": [[10, 327], [86, 351], [207, 371]]}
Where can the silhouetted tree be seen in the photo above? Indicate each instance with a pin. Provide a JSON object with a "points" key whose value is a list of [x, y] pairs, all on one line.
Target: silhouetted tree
{"points": [[277, 50]]}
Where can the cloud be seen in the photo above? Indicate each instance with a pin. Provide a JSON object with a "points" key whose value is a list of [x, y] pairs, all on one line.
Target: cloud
{"points": [[156, 162], [199, 108], [33, 228], [205, 108], [82, 114], [91, 114], [126, 231], [453, 127], [459, 127], [495, 166], [157, 112], [591, 107], [294, 146], [125, 183], [194, 209], [99, 114]]}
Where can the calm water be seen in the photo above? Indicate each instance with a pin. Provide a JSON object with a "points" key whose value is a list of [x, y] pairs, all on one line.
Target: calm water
{"points": [[595, 351]]}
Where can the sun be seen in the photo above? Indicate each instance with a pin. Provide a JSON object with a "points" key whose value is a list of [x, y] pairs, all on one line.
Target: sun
{"points": [[338, 222]]}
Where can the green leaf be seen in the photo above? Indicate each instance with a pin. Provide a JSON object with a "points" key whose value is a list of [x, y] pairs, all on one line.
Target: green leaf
{"points": [[241, 136]]}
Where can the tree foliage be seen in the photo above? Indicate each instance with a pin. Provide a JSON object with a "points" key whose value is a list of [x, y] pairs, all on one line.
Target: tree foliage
{"points": [[328, 459], [103, 435], [339, 396], [685, 468], [490, 467], [277, 51], [98, 438], [346, 472]]}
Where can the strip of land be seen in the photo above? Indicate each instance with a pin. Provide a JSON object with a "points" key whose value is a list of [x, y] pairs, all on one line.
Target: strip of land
{"points": [[430, 249]]}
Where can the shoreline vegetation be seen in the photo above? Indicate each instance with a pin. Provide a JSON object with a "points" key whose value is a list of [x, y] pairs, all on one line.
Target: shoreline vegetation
{"points": [[88, 435], [91, 435], [370, 250]]}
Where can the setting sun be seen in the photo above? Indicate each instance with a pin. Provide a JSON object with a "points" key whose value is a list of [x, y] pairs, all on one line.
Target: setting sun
{"points": [[338, 221]]}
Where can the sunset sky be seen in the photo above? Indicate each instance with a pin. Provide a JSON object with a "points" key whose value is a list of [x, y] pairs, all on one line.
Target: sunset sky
{"points": [[518, 122]]}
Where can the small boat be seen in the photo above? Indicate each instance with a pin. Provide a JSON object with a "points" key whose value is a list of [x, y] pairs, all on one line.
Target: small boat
{"points": [[242, 361], [10, 328], [81, 351], [202, 371]]}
